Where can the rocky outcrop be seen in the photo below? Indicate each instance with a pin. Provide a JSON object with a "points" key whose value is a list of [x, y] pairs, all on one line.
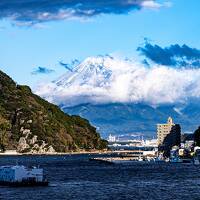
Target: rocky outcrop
{"points": [[29, 143]]}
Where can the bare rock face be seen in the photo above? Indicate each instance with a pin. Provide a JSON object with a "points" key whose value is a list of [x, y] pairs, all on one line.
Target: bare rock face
{"points": [[29, 143], [21, 121], [51, 150], [34, 146], [22, 144], [33, 140], [43, 149]]}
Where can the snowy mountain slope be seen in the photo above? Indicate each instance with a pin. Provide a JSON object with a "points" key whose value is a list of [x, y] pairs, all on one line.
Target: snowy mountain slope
{"points": [[93, 71]]}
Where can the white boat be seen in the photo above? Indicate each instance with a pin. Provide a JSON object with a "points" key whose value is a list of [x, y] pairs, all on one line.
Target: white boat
{"points": [[19, 175], [140, 159], [196, 161], [176, 160]]}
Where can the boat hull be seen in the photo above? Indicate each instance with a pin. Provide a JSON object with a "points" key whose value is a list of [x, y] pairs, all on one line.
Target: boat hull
{"points": [[24, 183]]}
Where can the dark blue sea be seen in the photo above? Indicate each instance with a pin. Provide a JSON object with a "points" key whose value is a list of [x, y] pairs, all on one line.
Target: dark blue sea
{"points": [[75, 177]]}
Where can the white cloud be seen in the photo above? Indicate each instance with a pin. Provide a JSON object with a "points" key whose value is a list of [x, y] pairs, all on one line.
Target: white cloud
{"points": [[150, 4], [29, 13], [106, 79]]}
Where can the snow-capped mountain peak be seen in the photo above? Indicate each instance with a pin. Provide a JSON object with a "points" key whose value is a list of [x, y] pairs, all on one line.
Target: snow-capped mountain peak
{"points": [[95, 71], [106, 79]]}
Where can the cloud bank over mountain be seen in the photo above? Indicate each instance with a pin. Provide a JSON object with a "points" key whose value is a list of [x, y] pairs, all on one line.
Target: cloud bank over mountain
{"points": [[174, 55], [37, 11], [111, 79]]}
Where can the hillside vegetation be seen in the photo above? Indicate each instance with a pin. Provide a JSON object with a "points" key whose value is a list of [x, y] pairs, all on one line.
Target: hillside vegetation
{"points": [[28, 123]]}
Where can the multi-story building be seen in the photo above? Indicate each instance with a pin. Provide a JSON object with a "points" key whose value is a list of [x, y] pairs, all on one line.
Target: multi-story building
{"points": [[163, 130], [111, 138], [169, 136]]}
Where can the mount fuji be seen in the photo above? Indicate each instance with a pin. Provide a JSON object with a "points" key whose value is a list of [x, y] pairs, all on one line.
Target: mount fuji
{"points": [[122, 96]]}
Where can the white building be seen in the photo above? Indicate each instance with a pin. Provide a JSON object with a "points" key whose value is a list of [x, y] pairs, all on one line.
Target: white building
{"points": [[163, 130], [111, 138], [150, 143]]}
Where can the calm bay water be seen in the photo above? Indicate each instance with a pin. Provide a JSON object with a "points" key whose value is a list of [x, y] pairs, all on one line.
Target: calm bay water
{"points": [[75, 177]]}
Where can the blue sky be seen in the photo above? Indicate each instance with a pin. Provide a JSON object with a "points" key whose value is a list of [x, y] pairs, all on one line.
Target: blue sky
{"points": [[25, 48]]}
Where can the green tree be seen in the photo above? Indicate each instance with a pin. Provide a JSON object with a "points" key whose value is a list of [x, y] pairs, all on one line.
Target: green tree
{"points": [[4, 127], [197, 137]]}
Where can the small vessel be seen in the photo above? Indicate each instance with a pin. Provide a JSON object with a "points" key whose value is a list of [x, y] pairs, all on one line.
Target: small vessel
{"points": [[196, 161], [140, 159], [160, 159], [175, 160], [21, 176]]}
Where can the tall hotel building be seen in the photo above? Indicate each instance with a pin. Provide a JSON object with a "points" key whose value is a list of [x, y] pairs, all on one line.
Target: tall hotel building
{"points": [[163, 130]]}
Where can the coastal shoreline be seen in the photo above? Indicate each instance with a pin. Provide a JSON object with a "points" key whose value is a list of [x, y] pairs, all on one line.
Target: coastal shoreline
{"points": [[69, 153], [55, 154]]}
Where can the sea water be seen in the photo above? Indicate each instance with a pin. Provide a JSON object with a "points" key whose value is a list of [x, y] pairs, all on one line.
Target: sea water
{"points": [[75, 177]]}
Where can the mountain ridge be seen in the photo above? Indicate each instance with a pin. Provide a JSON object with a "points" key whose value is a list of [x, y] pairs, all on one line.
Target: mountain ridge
{"points": [[118, 118]]}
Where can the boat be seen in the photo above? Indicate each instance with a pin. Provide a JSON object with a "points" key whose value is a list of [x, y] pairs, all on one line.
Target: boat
{"points": [[160, 159], [196, 161], [140, 159], [175, 160], [21, 176]]}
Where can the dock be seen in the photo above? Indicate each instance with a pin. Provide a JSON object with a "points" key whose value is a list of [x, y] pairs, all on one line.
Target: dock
{"points": [[114, 160]]}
